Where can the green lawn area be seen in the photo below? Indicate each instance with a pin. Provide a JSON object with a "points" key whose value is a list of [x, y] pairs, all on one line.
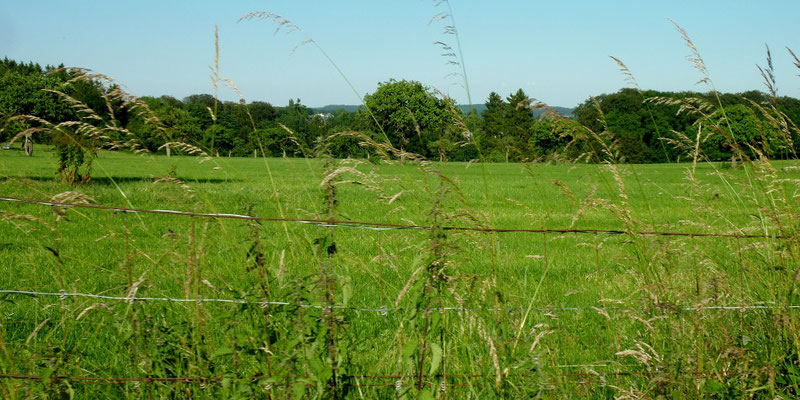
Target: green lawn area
{"points": [[554, 315]]}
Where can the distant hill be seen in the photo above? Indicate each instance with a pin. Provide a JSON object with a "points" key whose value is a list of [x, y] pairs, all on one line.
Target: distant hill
{"points": [[333, 107], [565, 111], [465, 108], [480, 108]]}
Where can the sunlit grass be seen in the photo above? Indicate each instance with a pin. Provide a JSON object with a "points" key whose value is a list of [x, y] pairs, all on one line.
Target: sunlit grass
{"points": [[569, 303]]}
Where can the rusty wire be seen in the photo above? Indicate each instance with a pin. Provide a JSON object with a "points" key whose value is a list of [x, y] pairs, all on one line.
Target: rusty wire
{"points": [[387, 226]]}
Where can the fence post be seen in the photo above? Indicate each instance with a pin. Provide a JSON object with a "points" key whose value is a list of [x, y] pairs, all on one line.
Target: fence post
{"points": [[127, 261], [28, 145], [547, 270], [597, 265]]}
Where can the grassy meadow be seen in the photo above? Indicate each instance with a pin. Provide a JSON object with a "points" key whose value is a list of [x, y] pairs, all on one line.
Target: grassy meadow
{"points": [[416, 313]]}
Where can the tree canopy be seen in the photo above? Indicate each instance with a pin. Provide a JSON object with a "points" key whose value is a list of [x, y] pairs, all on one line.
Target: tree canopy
{"points": [[409, 114], [642, 126]]}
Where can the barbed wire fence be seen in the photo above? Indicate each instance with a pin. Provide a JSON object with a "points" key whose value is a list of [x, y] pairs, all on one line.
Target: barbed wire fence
{"points": [[385, 310], [380, 226], [254, 379], [397, 379]]}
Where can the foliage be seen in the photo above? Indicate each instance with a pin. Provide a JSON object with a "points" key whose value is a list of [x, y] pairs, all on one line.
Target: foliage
{"points": [[74, 152], [21, 93], [736, 126], [179, 123], [409, 114], [645, 123], [507, 127], [641, 125], [589, 320]]}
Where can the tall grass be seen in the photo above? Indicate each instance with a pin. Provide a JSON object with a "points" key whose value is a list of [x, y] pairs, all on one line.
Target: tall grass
{"points": [[324, 311]]}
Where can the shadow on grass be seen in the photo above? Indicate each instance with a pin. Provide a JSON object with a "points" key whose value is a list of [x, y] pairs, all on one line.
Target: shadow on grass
{"points": [[104, 180]]}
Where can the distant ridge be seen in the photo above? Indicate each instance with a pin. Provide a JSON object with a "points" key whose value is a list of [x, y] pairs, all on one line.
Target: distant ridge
{"points": [[480, 108], [333, 107], [465, 108]]}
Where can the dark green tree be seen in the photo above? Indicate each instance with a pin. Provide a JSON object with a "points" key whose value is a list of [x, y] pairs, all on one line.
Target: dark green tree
{"points": [[201, 107], [262, 111], [410, 114], [507, 127], [519, 122], [178, 124], [493, 138], [736, 131], [494, 116], [305, 129], [25, 90]]}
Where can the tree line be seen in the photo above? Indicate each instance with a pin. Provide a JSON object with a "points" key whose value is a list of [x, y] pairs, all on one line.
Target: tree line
{"points": [[644, 127]]}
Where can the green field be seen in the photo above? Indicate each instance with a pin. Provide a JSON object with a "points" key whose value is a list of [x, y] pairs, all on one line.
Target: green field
{"points": [[467, 314]]}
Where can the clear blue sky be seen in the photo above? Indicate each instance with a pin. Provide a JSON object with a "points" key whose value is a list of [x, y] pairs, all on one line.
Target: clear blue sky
{"points": [[556, 51]]}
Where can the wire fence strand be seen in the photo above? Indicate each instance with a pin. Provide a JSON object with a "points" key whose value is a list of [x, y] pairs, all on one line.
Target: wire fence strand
{"points": [[385, 310], [398, 378], [382, 226]]}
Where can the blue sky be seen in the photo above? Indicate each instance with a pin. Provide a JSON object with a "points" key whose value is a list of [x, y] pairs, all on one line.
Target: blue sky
{"points": [[556, 52]]}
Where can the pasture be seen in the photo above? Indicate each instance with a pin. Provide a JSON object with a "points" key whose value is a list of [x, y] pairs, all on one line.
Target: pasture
{"points": [[361, 311]]}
